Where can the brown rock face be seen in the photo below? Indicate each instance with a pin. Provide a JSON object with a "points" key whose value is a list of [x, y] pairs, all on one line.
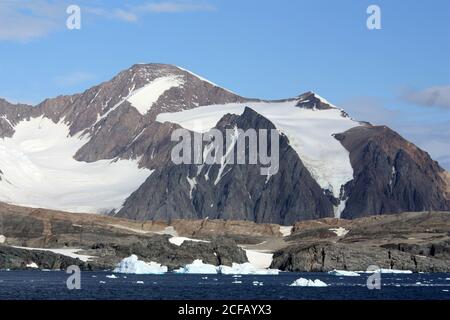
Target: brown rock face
{"points": [[391, 175]]}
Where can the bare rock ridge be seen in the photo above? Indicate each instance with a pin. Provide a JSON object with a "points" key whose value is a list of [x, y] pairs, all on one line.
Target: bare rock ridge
{"points": [[391, 175], [118, 120], [201, 191]]}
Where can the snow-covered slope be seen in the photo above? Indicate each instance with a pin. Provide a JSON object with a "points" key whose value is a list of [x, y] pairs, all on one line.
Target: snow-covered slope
{"points": [[143, 98], [38, 170], [310, 133]]}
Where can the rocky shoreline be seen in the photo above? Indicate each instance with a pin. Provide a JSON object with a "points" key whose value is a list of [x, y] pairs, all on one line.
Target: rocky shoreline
{"points": [[45, 239]]}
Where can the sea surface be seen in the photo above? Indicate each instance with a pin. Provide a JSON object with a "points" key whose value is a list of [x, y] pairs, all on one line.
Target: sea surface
{"points": [[51, 285]]}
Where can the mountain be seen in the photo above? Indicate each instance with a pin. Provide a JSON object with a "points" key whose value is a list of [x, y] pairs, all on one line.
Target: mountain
{"points": [[108, 150]]}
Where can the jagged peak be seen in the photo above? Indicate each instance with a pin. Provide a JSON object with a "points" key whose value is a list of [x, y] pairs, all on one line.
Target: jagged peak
{"points": [[312, 100]]}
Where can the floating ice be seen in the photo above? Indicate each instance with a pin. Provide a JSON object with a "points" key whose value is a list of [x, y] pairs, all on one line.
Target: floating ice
{"points": [[302, 282], [344, 273], [198, 267], [133, 265], [391, 271]]}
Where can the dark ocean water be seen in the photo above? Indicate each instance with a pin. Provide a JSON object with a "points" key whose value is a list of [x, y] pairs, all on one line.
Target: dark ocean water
{"points": [[41, 285]]}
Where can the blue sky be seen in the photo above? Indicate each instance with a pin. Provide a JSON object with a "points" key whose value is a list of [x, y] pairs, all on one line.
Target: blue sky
{"points": [[399, 75]]}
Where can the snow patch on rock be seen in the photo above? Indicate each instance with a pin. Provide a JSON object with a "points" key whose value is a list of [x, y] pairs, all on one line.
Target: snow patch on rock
{"points": [[286, 231], [178, 241], [144, 98], [340, 232], [259, 259], [32, 265], [68, 252]]}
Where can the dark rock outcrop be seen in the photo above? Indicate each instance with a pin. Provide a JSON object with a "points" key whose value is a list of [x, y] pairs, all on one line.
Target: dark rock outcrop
{"points": [[310, 100], [16, 258], [232, 192], [391, 175], [326, 257]]}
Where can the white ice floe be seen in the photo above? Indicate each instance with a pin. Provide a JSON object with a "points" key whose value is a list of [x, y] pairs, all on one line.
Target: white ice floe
{"points": [[178, 241], [2, 239], [135, 266], [140, 282], [310, 133], [340, 232], [198, 267], [68, 252], [32, 265], [388, 271], [111, 276], [144, 98], [302, 282], [344, 273], [39, 170]]}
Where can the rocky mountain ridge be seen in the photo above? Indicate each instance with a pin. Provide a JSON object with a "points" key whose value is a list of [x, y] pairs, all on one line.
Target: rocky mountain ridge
{"points": [[380, 172]]}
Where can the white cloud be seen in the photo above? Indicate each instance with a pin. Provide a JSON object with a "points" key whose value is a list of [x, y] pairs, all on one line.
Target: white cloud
{"points": [[119, 14], [125, 15], [74, 79], [24, 20], [133, 13], [430, 97], [173, 7]]}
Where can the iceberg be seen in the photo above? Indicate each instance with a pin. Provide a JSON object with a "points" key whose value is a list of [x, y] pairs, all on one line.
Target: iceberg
{"points": [[135, 266], [388, 271], [246, 268], [198, 267], [344, 273], [302, 282]]}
